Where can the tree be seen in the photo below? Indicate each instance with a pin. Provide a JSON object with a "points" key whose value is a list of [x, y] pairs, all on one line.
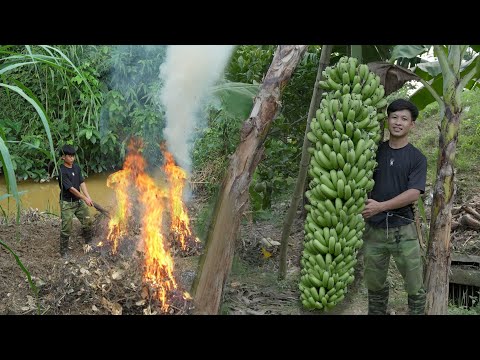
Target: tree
{"points": [[216, 263], [438, 250]]}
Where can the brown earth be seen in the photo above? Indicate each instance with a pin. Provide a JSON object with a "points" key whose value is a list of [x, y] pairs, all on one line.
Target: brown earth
{"points": [[90, 280]]}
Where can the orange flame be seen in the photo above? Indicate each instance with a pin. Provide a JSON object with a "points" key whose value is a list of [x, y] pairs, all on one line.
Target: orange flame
{"points": [[118, 223], [120, 182], [176, 177], [133, 183], [159, 263]]}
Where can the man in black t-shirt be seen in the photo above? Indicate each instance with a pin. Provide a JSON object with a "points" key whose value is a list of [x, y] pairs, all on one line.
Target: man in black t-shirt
{"points": [[390, 230], [72, 191]]}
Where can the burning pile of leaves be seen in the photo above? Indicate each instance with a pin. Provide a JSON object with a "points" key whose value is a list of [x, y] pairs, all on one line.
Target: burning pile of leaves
{"points": [[114, 283], [105, 285], [91, 279], [193, 246]]}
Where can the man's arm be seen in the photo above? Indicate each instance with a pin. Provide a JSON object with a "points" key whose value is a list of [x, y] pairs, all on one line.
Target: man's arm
{"points": [[83, 188], [79, 195], [373, 207]]}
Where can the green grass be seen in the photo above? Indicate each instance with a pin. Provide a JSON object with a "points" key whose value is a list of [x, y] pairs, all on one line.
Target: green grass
{"points": [[202, 221], [462, 310]]}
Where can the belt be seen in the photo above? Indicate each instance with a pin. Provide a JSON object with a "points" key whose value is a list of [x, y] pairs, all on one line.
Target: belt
{"points": [[70, 200], [389, 214]]}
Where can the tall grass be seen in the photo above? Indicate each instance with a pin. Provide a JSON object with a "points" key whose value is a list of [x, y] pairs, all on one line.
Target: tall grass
{"points": [[10, 60]]}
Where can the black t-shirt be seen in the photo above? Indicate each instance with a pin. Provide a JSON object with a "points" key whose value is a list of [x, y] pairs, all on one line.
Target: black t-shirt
{"points": [[69, 177], [398, 170]]}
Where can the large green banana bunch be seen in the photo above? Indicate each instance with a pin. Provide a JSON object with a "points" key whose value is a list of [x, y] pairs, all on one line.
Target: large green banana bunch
{"points": [[345, 133]]}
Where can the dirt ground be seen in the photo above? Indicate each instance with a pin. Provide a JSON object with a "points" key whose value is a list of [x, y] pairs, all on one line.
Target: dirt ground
{"points": [[92, 281], [89, 280]]}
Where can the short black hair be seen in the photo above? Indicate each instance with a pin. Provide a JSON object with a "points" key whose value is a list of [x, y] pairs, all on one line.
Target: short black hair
{"points": [[402, 104], [67, 150]]}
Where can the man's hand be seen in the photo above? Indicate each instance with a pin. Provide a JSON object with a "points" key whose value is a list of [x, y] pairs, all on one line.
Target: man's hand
{"points": [[88, 201], [372, 208]]}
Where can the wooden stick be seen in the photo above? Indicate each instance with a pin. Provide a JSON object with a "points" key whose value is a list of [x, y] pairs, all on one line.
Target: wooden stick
{"points": [[101, 209]]}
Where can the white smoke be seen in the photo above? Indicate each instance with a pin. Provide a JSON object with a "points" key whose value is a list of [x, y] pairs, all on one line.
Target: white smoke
{"points": [[188, 73]]}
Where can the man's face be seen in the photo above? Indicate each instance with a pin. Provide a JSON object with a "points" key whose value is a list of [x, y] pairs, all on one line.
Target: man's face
{"points": [[399, 123], [68, 159]]}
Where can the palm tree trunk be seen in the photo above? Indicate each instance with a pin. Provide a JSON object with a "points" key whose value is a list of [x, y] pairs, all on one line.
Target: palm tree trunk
{"points": [[302, 174], [216, 263]]}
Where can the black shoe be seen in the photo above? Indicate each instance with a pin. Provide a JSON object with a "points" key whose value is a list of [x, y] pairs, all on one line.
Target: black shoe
{"points": [[87, 236]]}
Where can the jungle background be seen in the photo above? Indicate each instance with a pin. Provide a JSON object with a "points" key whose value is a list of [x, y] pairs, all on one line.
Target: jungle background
{"points": [[97, 97]]}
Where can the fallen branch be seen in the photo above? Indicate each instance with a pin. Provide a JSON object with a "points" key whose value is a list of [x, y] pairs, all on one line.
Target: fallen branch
{"points": [[471, 211], [455, 224], [468, 221]]}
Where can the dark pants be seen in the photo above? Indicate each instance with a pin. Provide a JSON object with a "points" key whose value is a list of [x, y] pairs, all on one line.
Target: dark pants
{"points": [[401, 244]]}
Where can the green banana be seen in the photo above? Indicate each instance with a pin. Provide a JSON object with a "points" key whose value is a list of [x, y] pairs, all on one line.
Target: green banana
{"points": [[345, 131]]}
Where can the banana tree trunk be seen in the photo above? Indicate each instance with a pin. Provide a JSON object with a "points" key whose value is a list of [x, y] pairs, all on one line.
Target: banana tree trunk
{"points": [[216, 263], [438, 251], [302, 174]]}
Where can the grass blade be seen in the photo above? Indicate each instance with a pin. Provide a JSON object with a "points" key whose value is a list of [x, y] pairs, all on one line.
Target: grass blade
{"points": [[10, 179], [23, 91], [29, 278]]}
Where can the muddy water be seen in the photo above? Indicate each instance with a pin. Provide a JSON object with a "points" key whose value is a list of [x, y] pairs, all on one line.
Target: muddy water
{"points": [[45, 197]]}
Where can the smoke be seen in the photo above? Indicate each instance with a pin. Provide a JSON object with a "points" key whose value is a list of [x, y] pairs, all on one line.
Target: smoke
{"points": [[187, 73], [130, 106]]}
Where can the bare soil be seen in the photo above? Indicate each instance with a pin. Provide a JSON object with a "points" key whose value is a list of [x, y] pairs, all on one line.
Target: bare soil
{"points": [[90, 280]]}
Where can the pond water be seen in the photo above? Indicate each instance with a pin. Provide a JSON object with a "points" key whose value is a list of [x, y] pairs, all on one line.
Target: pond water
{"points": [[45, 196]]}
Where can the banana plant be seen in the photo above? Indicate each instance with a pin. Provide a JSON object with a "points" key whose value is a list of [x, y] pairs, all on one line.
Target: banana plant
{"points": [[431, 72], [444, 80], [236, 97], [454, 81]]}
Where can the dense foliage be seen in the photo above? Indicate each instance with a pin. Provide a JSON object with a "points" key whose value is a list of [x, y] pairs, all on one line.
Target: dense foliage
{"points": [[109, 99], [96, 97]]}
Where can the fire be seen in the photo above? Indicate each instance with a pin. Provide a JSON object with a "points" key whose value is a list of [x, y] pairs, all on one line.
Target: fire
{"points": [[117, 225], [121, 182], [176, 177], [133, 183], [158, 262]]}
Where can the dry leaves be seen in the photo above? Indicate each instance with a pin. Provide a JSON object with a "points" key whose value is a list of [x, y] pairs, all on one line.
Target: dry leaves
{"points": [[113, 308]]}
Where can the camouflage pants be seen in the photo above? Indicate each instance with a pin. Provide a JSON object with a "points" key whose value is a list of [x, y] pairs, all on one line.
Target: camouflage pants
{"points": [[80, 210], [402, 244]]}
